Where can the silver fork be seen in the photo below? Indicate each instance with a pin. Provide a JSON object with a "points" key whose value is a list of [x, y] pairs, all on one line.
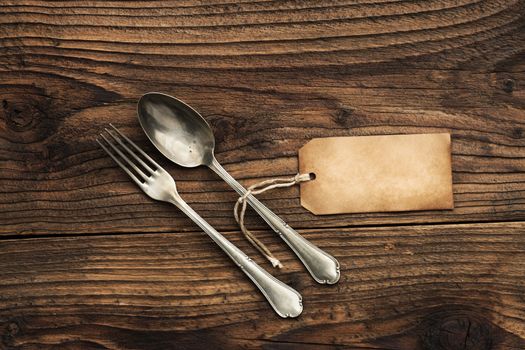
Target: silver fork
{"points": [[159, 185]]}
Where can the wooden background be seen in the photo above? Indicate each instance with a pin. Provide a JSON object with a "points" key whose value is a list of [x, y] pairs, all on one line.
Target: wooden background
{"points": [[87, 261]]}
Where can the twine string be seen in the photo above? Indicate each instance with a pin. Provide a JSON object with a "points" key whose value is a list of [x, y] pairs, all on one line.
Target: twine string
{"points": [[256, 189]]}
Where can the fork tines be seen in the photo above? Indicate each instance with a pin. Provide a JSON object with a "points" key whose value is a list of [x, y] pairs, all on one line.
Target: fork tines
{"points": [[118, 149]]}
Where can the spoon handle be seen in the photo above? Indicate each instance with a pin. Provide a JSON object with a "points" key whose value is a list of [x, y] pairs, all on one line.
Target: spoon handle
{"points": [[323, 267], [285, 300]]}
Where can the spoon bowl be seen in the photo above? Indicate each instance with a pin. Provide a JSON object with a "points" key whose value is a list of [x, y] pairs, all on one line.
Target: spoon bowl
{"points": [[178, 131]]}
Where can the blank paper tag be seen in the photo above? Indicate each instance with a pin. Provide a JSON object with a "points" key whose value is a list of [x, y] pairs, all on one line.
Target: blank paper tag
{"points": [[377, 173]]}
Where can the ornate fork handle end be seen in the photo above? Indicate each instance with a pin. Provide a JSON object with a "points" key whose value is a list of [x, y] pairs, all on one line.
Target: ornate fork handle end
{"points": [[285, 300]]}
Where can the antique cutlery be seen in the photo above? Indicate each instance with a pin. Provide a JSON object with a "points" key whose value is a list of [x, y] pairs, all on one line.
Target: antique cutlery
{"points": [[183, 136], [159, 185]]}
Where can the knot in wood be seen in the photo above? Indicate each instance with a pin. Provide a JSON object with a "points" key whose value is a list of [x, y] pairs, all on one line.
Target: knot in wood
{"points": [[20, 116], [459, 333], [12, 329], [509, 85], [343, 116], [9, 331], [226, 128]]}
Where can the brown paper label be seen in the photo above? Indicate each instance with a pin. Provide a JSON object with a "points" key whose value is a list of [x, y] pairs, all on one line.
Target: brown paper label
{"points": [[377, 173]]}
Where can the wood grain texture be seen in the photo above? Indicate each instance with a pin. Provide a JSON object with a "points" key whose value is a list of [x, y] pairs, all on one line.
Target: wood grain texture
{"points": [[439, 287], [269, 76], [89, 262]]}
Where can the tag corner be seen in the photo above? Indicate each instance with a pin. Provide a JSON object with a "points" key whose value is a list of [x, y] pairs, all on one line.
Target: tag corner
{"points": [[307, 207], [303, 147]]}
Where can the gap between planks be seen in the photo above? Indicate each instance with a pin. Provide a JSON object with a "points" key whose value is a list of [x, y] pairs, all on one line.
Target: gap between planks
{"points": [[502, 223]]}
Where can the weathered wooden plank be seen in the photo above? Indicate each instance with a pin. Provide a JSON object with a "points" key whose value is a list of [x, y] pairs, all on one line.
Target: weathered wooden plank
{"points": [[269, 76], [412, 287]]}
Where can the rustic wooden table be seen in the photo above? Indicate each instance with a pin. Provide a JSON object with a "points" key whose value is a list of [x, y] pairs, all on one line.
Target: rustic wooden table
{"points": [[87, 261]]}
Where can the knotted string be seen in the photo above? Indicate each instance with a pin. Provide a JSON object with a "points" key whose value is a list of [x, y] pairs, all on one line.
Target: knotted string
{"points": [[259, 188]]}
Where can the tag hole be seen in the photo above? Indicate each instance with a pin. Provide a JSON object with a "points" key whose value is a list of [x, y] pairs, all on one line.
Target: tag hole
{"points": [[312, 176]]}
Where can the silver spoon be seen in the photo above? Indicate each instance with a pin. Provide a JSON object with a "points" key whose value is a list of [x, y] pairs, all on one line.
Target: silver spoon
{"points": [[183, 136]]}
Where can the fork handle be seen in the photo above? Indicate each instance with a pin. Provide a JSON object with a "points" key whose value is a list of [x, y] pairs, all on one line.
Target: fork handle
{"points": [[285, 300], [323, 267]]}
